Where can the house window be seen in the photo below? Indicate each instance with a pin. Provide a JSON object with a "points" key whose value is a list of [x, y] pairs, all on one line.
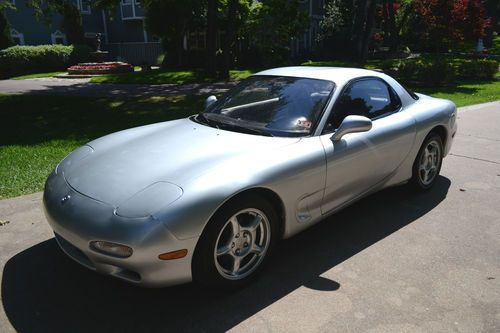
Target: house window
{"points": [[126, 2], [197, 41], [137, 2], [17, 37], [83, 6], [58, 38]]}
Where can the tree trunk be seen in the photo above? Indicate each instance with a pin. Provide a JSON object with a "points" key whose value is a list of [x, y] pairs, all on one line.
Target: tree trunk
{"points": [[358, 28], [393, 41], [211, 38], [229, 40], [370, 18]]}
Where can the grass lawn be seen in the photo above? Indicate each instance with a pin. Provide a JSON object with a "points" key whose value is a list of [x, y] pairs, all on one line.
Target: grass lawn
{"points": [[36, 75], [159, 76], [36, 132], [370, 64], [466, 93]]}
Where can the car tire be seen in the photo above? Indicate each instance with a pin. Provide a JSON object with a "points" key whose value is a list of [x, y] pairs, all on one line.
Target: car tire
{"points": [[236, 243], [428, 163]]}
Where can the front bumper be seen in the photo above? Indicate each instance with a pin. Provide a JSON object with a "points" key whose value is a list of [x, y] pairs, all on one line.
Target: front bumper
{"points": [[78, 220]]}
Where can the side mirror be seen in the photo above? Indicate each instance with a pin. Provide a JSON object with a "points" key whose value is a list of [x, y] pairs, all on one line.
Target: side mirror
{"points": [[209, 101], [352, 124]]}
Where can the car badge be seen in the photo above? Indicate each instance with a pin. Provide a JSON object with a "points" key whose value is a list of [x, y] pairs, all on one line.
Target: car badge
{"points": [[65, 199]]}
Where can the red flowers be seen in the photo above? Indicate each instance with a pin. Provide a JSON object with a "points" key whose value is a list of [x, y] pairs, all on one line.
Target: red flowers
{"points": [[100, 68]]}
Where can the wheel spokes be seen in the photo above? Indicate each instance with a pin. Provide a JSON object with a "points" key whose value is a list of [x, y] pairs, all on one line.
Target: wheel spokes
{"points": [[429, 162], [256, 249], [241, 246], [223, 250], [252, 227], [236, 264], [235, 225]]}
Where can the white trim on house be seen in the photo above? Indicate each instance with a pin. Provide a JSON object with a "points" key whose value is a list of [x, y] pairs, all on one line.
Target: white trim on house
{"points": [[58, 35], [16, 34], [131, 4], [84, 9], [144, 31], [105, 26]]}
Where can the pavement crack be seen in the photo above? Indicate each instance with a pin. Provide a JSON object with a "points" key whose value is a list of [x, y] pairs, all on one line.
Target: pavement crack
{"points": [[480, 137], [475, 158]]}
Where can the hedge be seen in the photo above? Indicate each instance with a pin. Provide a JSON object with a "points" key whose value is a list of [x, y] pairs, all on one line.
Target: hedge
{"points": [[22, 60], [483, 69], [441, 70]]}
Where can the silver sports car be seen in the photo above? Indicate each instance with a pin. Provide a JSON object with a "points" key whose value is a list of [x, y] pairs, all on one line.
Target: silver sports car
{"points": [[207, 197]]}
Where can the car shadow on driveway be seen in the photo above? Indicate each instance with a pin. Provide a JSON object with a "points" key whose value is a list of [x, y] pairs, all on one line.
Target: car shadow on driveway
{"points": [[44, 291]]}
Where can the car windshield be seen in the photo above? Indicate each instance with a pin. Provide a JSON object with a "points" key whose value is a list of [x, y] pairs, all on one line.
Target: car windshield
{"points": [[271, 105]]}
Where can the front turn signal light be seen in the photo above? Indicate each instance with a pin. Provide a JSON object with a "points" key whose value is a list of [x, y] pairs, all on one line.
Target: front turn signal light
{"points": [[173, 255]]}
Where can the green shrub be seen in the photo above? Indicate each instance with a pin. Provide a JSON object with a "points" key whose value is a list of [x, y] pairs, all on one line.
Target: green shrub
{"points": [[386, 64], [435, 71], [483, 69], [407, 69], [438, 70], [21, 60]]}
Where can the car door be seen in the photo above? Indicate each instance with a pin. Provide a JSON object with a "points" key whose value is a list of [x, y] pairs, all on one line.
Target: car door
{"points": [[359, 161]]}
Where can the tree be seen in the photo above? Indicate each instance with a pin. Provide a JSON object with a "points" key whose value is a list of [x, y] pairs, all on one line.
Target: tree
{"points": [[172, 20], [233, 16], [354, 21], [492, 8], [211, 48], [271, 26], [5, 38], [72, 24], [72, 19], [447, 21], [334, 19], [362, 29], [390, 24]]}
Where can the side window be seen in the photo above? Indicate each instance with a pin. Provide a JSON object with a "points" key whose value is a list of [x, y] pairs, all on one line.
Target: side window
{"points": [[371, 98]]}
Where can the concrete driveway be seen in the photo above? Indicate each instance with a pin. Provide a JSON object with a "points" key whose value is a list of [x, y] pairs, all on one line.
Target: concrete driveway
{"points": [[395, 262]]}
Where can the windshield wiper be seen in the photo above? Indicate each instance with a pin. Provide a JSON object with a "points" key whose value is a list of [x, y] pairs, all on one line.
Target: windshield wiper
{"points": [[243, 129], [207, 121], [220, 124]]}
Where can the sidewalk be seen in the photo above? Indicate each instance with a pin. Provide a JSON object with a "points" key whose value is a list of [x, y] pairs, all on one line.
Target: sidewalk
{"points": [[82, 87]]}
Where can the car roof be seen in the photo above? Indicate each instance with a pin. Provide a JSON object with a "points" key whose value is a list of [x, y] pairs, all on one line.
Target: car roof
{"points": [[339, 75]]}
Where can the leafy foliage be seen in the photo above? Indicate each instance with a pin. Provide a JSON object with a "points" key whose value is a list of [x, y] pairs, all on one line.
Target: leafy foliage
{"points": [[334, 19], [5, 39], [19, 60], [72, 24], [271, 26], [171, 20], [438, 70], [445, 21]]}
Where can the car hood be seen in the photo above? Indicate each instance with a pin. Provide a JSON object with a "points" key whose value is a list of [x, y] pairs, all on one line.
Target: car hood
{"points": [[115, 167]]}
